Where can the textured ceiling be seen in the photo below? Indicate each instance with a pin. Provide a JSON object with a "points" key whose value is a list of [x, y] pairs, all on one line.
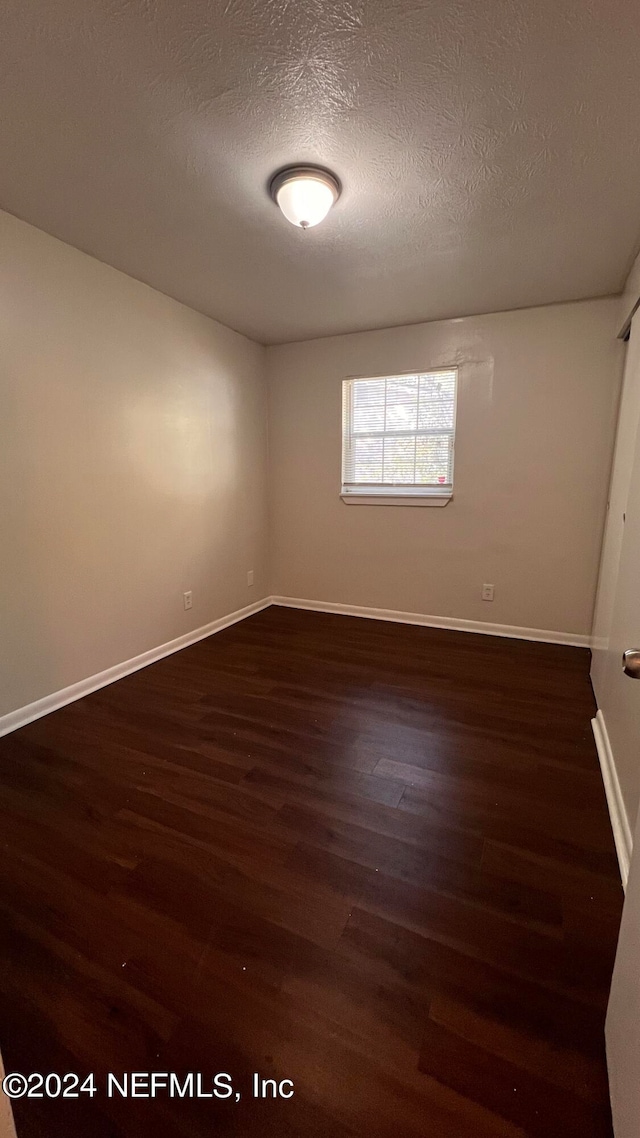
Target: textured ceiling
{"points": [[488, 149]]}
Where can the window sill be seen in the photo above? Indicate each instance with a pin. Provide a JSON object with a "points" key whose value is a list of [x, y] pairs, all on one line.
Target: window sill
{"points": [[355, 499]]}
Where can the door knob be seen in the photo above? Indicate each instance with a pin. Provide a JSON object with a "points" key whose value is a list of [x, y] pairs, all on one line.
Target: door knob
{"points": [[631, 663]]}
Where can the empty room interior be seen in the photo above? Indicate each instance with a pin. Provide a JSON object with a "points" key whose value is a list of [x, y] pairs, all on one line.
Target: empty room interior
{"points": [[320, 565]]}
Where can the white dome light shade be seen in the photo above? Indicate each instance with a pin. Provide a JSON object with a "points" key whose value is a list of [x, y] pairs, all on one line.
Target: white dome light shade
{"points": [[305, 195]]}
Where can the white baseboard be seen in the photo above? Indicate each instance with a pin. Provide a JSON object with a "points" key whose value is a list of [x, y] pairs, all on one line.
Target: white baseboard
{"points": [[23, 715], [619, 822], [510, 630]]}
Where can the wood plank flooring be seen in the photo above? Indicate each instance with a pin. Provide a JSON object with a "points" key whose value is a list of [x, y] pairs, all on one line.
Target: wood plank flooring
{"points": [[370, 858]]}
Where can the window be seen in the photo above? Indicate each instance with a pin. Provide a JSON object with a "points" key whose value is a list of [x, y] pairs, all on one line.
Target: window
{"points": [[397, 438]]}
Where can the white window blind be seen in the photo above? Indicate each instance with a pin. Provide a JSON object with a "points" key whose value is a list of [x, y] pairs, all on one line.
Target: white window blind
{"points": [[398, 434]]}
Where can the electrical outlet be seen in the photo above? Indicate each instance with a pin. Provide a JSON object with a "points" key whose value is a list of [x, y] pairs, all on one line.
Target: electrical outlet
{"points": [[487, 592], [250, 577], [188, 599]]}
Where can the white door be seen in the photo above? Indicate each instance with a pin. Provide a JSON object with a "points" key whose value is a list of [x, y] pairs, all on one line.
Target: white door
{"points": [[617, 621], [619, 743]]}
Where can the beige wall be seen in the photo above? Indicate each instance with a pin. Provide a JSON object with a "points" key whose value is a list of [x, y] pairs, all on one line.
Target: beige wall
{"points": [[132, 461], [537, 402]]}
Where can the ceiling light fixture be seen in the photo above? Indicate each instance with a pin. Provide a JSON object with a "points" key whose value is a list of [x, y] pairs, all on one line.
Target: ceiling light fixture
{"points": [[305, 194]]}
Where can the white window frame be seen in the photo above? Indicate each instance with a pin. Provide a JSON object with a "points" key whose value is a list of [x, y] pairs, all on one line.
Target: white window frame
{"points": [[395, 494]]}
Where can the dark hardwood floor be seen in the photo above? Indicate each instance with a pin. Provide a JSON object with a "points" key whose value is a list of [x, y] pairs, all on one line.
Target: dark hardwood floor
{"points": [[370, 858]]}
